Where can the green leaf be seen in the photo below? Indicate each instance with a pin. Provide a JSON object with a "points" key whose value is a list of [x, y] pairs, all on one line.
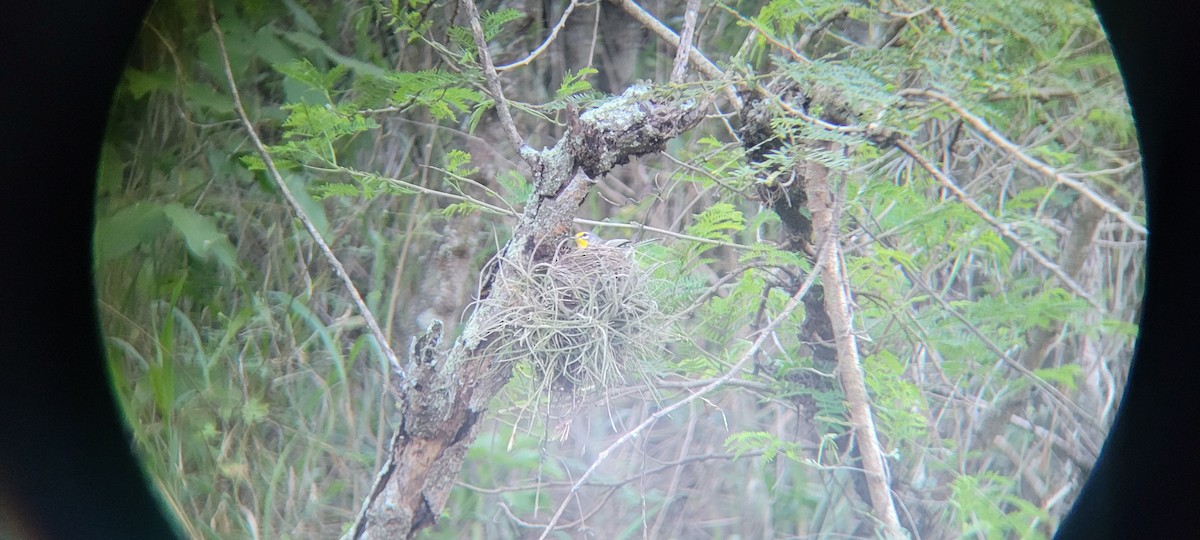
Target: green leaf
{"points": [[493, 22], [477, 115], [253, 162], [441, 92], [110, 174], [460, 209], [201, 235], [994, 244], [202, 96], [161, 376], [302, 71], [716, 222], [140, 83], [119, 233], [313, 209], [271, 49], [455, 161], [517, 189], [310, 42], [905, 259], [303, 19], [335, 189], [1064, 375], [255, 411], [575, 83], [238, 35], [747, 441]]}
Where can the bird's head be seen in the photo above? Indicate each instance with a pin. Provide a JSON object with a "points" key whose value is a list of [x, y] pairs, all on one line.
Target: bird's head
{"points": [[586, 238]]}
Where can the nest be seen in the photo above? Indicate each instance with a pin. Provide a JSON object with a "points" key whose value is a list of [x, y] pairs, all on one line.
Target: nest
{"points": [[581, 323]]}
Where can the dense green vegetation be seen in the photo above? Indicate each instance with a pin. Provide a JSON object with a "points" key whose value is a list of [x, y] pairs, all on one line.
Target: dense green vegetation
{"points": [[988, 223]]}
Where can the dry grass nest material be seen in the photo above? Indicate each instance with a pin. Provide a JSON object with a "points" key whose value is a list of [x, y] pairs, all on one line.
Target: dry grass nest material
{"points": [[582, 322]]}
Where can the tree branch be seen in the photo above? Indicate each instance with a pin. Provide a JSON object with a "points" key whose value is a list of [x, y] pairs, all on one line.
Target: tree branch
{"points": [[493, 82], [562, 21], [813, 30], [703, 65], [679, 71], [1001, 228], [1008, 146], [849, 370], [450, 391], [273, 172]]}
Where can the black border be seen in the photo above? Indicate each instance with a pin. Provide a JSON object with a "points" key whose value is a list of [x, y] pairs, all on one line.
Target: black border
{"points": [[66, 470], [1145, 483]]}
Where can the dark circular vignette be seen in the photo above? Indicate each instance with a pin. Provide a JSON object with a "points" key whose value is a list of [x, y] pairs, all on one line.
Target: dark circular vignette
{"points": [[66, 468], [1143, 484]]}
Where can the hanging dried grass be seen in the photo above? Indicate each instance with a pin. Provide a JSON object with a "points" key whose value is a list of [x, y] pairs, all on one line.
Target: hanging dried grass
{"points": [[583, 322]]}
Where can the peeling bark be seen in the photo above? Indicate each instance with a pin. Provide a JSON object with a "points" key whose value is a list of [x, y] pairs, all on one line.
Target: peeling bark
{"points": [[447, 392]]}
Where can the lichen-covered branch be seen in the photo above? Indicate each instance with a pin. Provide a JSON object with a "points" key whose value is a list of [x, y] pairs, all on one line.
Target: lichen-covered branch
{"points": [[448, 392]]}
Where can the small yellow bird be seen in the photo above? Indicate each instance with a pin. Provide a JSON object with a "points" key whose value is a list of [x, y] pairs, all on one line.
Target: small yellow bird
{"points": [[586, 238]]}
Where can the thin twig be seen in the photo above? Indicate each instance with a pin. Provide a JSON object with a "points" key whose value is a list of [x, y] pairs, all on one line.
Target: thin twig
{"points": [[1008, 146], [664, 232], [562, 21], [716, 179], [679, 71], [693, 383], [1033, 378], [791, 306], [736, 273], [1001, 228], [811, 31], [338, 269], [702, 64], [756, 28], [511, 211], [608, 493], [493, 82], [409, 186], [673, 485]]}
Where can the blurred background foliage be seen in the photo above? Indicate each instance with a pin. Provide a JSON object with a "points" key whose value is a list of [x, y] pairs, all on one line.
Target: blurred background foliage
{"points": [[258, 402]]}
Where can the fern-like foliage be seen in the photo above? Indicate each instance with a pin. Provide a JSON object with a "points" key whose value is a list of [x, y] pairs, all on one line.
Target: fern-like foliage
{"points": [[491, 22], [761, 441], [405, 16], [717, 222], [304, 72], [516, 188], [441, 92]]}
